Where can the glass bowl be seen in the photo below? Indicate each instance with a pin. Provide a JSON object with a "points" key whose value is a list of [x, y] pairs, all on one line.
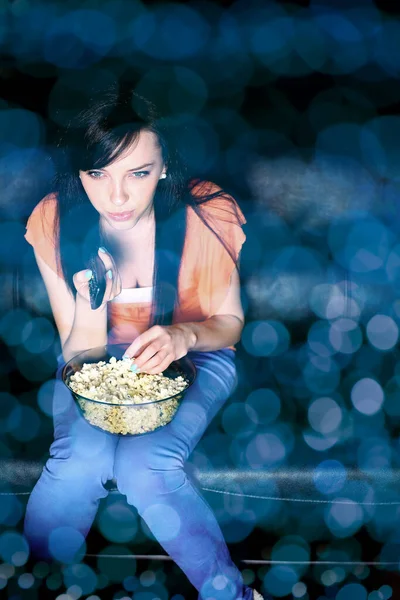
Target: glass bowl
{"points": [[127, 418]]}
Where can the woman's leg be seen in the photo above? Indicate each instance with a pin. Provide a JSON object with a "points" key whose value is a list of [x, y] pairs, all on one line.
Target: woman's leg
{"points": [[64, 501], [150, 471]]}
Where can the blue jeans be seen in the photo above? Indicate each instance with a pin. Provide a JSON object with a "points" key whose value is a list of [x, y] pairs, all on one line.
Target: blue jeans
{"points": [[149, 470]]}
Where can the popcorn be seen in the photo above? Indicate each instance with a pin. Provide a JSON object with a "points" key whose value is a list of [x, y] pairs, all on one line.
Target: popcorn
{"points": [[120, 397]]}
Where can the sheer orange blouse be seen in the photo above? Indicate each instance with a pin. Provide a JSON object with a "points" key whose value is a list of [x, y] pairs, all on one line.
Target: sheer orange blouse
{"points": [[205, 271]]}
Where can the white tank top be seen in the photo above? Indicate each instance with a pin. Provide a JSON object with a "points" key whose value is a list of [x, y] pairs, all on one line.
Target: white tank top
{"points": [[134, 295]]}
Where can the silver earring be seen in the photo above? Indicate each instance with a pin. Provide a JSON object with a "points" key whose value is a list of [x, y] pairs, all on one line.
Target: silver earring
{"points": [[163, 176]]}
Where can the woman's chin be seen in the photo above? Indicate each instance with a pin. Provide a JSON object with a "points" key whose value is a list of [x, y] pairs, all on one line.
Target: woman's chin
{"points": [[122, 225]]}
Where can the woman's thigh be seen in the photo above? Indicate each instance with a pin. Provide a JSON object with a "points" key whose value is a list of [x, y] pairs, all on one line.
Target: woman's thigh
{"points": [[214, 383], [75, 438]]}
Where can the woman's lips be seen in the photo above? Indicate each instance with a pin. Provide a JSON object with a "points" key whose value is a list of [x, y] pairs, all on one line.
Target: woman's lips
{"points": [[122, 216]]}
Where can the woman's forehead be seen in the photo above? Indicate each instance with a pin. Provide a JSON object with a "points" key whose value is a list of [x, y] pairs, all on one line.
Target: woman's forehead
{"points": [[145, 148]]}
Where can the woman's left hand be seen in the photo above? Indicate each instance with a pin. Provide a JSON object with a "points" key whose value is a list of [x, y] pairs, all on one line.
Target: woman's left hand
{"points": [[155, 349]]}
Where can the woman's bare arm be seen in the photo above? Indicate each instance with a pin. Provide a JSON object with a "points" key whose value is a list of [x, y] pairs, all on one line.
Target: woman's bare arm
{"points": [[78, 325], [224, 328]]}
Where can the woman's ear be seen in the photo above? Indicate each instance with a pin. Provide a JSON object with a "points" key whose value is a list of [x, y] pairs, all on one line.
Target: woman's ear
{"points": [[163, 176]]}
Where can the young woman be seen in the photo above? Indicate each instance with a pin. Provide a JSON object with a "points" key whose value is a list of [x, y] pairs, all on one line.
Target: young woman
{"points": [[170, 247]]}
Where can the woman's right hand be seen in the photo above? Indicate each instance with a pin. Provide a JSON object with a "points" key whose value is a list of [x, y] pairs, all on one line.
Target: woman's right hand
{"points": [[113, 280]]}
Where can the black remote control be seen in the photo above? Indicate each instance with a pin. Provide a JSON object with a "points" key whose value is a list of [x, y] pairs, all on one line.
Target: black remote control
{"points": [[97, 283]]}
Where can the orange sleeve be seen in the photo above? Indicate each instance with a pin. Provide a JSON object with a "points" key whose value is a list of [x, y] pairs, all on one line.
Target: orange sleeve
{"points": [[215, 263], [41, 229], [227, 219], [224, 215]]}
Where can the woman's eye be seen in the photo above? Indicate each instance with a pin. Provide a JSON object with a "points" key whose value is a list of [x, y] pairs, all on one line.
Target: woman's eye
{"points": [[140, 174], [95, 174]]}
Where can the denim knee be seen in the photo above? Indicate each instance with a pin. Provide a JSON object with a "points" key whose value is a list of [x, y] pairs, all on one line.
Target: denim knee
{"points": [[67, 465], [141, 476]]}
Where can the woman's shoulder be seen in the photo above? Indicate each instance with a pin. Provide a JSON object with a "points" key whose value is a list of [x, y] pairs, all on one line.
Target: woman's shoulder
{"points": [[42, 220], [45, 210], [220, 220], [216, 203]]}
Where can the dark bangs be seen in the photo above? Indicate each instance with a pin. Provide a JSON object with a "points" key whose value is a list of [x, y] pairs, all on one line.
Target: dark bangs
{"points": [[108, 133], [111, 145]]}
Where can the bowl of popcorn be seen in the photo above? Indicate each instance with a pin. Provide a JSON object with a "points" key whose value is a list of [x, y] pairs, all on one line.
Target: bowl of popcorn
{"points": [[114, 398]]}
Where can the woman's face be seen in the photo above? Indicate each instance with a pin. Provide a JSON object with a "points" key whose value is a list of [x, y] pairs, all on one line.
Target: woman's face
{"points": [[122, 193]]}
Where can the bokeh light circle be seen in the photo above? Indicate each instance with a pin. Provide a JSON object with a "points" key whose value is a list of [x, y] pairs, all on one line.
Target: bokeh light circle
{"points": [[264, 405], [360, 243], [265, 338], [375, 453], [21, 127], [319, 442], [346, 46], [80, 576], [325, 415], [67, 544], [14, 548], [378, 141], [318, 339], [329, 476], [117, 522], [299, 590], [393, 265], [266, 450], [24, 423], [321, 375], [38, 335], [270, 36], [79, 38], [280, 580], [26, 581], [382, 332], [309, 43], [352, 591], [45, 395], [8, 405], [171, 32], [344, 517], [345, 336], [386, 591], [11, 510], [236, 420], [292, 548], [367, 396], [328, 301]]}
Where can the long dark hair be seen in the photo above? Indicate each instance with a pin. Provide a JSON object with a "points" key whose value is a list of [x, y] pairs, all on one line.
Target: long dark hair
{"points": [[93, 139]]}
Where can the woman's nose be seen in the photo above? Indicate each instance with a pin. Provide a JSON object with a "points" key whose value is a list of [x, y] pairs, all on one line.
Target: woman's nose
{"points": [[119, 194]]}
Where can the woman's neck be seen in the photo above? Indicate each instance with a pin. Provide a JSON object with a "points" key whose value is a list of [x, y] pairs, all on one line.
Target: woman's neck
{"points": [[123, 243]]}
